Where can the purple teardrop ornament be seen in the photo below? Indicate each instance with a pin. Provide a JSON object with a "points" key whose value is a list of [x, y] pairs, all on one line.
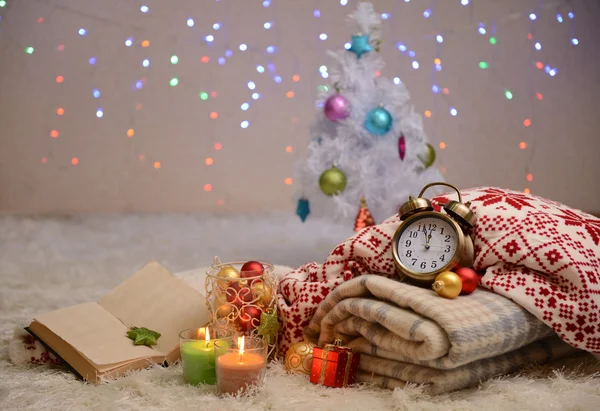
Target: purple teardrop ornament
{"points": [[401, 147]]}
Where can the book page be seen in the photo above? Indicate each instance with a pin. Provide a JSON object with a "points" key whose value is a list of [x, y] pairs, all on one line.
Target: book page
{"points": [[156, 299], [95, 333]]}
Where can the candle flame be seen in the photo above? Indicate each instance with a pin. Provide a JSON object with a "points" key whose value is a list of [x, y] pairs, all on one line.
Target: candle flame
{"points": [[241, 345], [207, 335]]}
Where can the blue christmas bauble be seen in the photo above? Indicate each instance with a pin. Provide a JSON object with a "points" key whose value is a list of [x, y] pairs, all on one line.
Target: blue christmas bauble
{"points": [[378, 121]]}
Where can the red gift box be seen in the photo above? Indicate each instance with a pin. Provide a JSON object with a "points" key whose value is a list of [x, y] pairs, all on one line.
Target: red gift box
{"points": [[334, 365]]}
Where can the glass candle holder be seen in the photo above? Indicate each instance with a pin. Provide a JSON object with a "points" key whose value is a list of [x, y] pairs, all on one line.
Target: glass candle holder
{"points": [[241, 363], [243, 300], [197, 347]]}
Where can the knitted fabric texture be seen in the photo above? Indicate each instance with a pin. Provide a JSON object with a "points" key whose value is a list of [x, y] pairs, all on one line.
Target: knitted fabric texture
{"points": [[543, 255]]}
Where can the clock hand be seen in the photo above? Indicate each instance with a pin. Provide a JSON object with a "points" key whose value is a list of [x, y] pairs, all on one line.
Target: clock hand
{"points": [[426, 239]]}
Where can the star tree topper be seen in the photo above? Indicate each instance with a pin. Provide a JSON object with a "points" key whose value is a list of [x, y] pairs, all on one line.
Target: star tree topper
{"points": [[143, 336], [360, 45]]}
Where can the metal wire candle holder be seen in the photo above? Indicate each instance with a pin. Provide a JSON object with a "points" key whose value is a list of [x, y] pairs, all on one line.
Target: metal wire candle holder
{"points": [[237, 304]]}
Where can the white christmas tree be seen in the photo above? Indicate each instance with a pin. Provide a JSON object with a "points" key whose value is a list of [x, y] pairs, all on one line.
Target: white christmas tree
{"points": [[368, 143]]}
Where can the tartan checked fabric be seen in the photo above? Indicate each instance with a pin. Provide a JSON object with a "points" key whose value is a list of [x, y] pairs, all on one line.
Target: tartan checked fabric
{"points": [[402, 322], [409, 334], [543, 255], [395, 374]]}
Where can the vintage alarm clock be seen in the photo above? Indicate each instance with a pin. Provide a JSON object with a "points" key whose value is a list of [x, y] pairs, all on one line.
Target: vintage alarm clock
{"points": [[428, 242]]}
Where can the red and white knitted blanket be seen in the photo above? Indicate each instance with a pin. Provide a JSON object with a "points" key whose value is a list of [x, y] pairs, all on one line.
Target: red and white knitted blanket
{"points": [[542, 254]]}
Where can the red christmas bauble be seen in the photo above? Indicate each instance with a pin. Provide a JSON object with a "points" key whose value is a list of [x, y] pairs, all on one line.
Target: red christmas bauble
{"points": [[252, 269], [245, 294], [249, 318], [232, 297], [470, 279], [239, 292]]}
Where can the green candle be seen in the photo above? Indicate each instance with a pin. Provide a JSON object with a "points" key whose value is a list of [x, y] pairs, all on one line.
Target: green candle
{"points": [[199, 362]]}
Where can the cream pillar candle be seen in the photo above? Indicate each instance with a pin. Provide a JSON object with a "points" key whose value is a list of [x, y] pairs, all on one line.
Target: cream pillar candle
{"points": [[240, 367]]}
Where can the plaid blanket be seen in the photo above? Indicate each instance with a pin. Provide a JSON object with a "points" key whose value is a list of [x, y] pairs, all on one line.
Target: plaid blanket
{"points": [[393, 374], [409, 334]]}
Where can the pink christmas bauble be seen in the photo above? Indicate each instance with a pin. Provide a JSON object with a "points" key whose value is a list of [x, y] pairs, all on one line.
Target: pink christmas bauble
{"points": [[337, 108], [401, 147]]}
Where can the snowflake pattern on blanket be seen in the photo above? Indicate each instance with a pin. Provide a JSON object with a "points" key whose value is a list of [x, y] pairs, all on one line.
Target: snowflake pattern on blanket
{"points": [[543, 255]]}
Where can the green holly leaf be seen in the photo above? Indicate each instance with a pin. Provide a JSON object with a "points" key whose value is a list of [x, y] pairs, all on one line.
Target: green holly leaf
{"points": [[143, 336], [269, 326]]}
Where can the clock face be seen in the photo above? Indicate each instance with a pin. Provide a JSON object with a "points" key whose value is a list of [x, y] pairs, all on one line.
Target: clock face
{"points": [[427, 244]]}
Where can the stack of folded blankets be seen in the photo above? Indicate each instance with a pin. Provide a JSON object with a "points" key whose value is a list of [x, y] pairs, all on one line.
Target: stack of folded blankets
{"points": [[409, 334], [539, 298]]}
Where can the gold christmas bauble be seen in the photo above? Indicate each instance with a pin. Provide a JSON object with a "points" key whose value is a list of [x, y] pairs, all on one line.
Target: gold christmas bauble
{"points": [[261, 291], [299, 358], [447, 284], [229, 273], [223, 307], [428, 157], [332, 181]]}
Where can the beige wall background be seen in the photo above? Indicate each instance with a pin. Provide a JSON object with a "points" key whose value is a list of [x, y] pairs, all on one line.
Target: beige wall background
{"points": [[173, 125]]}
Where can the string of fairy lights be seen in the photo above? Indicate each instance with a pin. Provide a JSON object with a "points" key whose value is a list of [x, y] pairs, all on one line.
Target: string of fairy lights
{"points": [[264, 65]]}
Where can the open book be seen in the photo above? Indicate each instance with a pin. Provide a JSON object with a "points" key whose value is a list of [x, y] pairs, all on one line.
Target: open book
{"points": [[92, 340]]}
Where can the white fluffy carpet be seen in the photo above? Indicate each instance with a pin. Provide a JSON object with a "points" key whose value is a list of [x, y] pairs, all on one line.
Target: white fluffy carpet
{"points": [[49, 263]]}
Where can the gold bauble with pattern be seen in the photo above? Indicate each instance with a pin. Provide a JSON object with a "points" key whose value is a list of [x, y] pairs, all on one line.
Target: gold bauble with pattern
{"points": [[299, 358]]}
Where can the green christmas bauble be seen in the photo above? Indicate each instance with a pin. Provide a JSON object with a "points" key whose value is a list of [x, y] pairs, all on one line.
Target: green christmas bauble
{"points": [[332, 181], [428, 157]]}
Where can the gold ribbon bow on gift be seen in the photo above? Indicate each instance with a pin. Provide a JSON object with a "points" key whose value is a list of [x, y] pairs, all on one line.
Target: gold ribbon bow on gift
{"points": [[337, 344]]}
